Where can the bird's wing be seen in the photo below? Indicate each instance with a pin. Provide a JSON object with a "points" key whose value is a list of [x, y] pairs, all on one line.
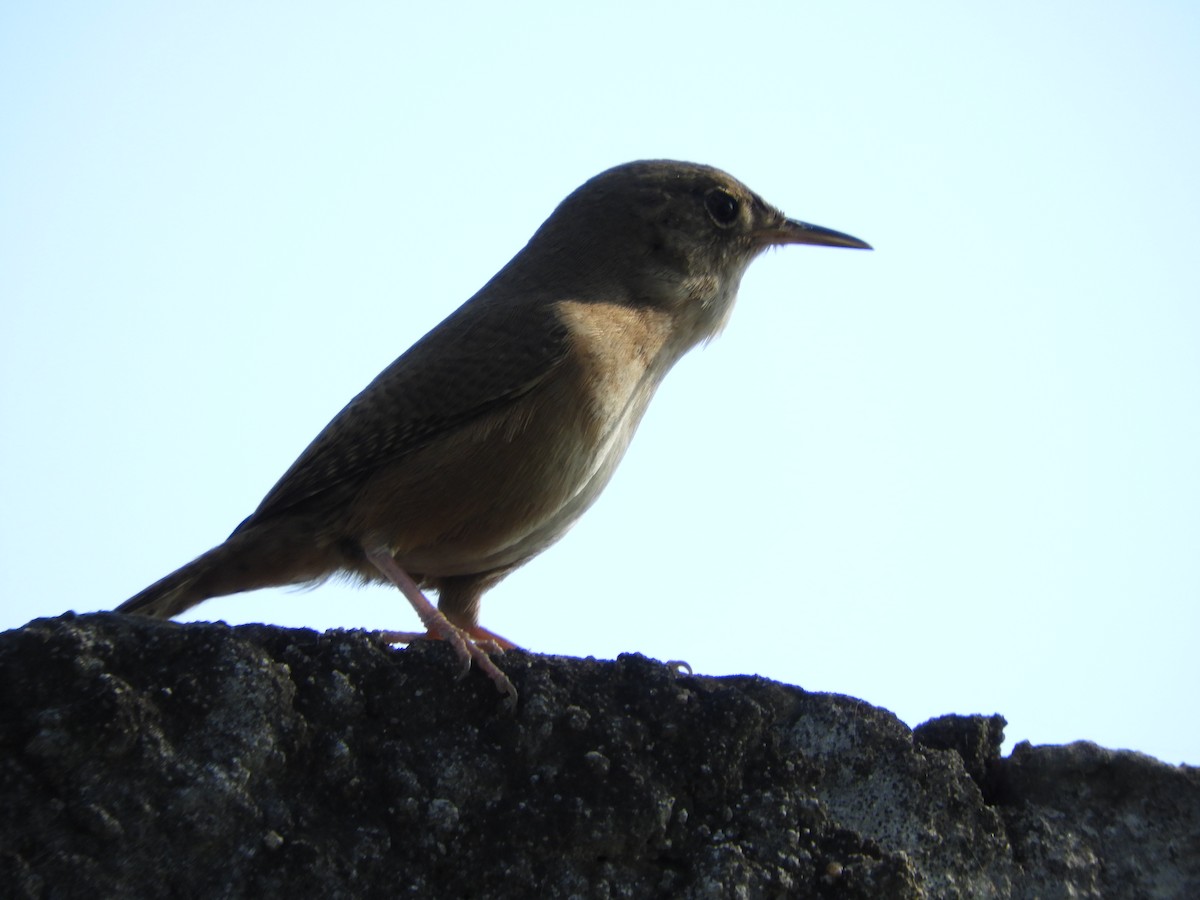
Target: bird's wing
{"points": [[465, 367]]}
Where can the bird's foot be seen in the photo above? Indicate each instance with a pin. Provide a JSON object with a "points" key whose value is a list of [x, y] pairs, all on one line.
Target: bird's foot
{"points": [[470, 645], [472, 650]]}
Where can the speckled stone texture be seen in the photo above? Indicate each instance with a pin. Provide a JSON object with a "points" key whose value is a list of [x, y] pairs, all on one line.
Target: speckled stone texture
{"points": [[148, 759]]}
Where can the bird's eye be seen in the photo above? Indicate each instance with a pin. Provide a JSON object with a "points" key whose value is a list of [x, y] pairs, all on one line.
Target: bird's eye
{"points": [[722, 206]]}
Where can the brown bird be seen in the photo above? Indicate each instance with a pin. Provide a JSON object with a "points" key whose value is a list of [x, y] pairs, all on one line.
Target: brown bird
{"points": [[482, 444]]}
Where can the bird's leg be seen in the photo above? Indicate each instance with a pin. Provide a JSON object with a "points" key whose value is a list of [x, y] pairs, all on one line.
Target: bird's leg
{"points": [[458, 601], [437, 624]]}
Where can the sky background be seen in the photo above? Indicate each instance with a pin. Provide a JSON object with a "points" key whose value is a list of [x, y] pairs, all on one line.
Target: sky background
{"points": [[958, 474]]}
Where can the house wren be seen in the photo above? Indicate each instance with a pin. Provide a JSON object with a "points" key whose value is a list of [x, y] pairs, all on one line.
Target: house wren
{"points": [[484, 442]]}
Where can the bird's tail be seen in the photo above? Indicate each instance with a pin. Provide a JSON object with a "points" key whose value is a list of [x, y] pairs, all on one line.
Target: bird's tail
{"points": [[183, 588], [247, 561], [168, 596]]}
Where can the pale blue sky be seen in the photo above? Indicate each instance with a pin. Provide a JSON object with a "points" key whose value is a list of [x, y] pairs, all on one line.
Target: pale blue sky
{"points": [[960, 474]]}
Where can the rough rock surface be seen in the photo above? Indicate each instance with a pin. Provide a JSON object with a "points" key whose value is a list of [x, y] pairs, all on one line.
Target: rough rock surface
{"points": [[148, 759]]}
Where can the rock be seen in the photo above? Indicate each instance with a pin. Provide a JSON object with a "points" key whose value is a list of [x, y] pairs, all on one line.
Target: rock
{"points": [[141, 758], [976, 739]]}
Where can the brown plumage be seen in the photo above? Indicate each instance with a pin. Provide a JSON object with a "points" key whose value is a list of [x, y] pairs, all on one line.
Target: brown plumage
{"points": [[483, 443]]}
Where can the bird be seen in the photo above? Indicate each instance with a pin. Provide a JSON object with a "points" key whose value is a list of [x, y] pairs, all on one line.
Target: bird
{"points": [[484, 442]]}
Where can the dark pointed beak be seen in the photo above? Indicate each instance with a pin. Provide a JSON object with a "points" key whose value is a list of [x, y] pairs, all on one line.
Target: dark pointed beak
{"points": [[793, 231]]}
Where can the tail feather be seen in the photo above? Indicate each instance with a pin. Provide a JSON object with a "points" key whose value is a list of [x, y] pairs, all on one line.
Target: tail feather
{"points": [[248, 560], [171, 595]]}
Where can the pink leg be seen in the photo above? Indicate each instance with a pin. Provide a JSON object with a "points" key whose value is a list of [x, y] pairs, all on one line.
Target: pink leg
{"points": [[432, 618]]}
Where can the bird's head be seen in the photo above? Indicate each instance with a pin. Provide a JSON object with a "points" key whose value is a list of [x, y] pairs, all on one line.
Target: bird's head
{"points": [[670, 235]]}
